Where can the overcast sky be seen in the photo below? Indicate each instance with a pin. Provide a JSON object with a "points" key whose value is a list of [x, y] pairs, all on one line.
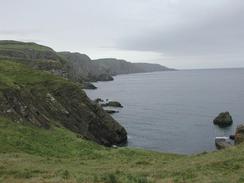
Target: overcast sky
{"points": [[175, 33]]}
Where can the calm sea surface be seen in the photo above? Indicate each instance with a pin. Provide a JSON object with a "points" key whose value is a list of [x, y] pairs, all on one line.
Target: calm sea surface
{"points": [[173, 111]]}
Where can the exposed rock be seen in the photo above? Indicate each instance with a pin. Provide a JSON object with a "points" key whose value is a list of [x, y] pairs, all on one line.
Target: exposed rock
{"points": [[48, 100], [66, 105], [117, 66], [112, 104], [111, 111], [232, 137], [222, 144], [88, 85], [104, 77], [81, 66], [98, 100], [224, 119], [239, 135]]}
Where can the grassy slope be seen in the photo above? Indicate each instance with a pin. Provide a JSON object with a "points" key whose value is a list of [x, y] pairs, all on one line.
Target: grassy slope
{"points": [[32, 154], [13, 74], [16, 45]]}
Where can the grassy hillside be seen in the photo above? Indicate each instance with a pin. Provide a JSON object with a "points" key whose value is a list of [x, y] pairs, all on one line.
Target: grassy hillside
{"points": [[17, 45], [31, 154]]}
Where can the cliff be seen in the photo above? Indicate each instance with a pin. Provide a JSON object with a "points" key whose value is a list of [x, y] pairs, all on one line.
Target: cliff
{"points": [[83, 67], [116, 66], [44, 100], [73, 66]]}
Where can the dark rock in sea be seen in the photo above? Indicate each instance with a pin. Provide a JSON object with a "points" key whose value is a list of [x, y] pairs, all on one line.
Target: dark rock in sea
{"points": [[112, 104], [224, 119], [239, 135], [111, 111], [88, 85], [99, 100], [222, 144], [232, 137], [105, 77]]}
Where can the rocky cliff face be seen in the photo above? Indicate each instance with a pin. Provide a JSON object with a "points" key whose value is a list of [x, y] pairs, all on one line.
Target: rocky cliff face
{"points": [[116, 66], [83, 67], [45, 100], [74, 66]]}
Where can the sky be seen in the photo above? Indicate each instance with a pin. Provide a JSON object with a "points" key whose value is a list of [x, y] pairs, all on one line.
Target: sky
{"points": [[182, 34]]}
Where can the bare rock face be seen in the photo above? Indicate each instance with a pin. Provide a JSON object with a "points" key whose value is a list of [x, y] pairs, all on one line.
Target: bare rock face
{"points": [[48, 103], [239, 135], [113, 104], [88, 85], [222, 144], [224, 119]]}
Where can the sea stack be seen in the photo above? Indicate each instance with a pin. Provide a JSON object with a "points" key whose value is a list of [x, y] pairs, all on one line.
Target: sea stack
{"points": [[224, 119]]}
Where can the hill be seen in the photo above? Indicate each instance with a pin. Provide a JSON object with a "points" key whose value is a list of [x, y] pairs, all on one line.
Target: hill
{"points": [[32, 154], [73, 66], [83, 67], [116, 66]]}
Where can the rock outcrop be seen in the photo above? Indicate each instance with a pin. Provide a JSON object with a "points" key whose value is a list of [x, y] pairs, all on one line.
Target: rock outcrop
{"points": [[81, 66], [239, 135], [111, 111], [222, 144], [44, 100], [88, 85], [98, 100], [112, 104], [224, 119]]}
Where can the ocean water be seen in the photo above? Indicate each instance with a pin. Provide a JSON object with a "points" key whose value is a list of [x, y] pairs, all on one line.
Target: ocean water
{"points": [[174, 111]]}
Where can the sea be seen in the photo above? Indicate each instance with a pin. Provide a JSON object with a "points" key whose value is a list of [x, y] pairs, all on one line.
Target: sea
{"points": [[173, 111]]}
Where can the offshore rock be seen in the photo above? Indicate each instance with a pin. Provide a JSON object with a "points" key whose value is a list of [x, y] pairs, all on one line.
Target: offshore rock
{"points": [[224, 119], [112, 104]]}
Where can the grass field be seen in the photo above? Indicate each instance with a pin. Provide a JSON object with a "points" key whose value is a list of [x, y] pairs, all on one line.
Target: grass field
{"points": [[32, 154]]}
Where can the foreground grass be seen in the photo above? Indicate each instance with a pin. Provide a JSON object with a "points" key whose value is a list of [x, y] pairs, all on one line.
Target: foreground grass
{"points": [[31, 154]]}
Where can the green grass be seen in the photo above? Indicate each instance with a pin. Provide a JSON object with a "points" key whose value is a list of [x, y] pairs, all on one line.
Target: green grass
{"points": [[32, 154], [16, 45], [14, 74]]}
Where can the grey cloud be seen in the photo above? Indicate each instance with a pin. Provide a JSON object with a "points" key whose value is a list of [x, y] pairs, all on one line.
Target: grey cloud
{"points": [[16, 32], [219, 33]]}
